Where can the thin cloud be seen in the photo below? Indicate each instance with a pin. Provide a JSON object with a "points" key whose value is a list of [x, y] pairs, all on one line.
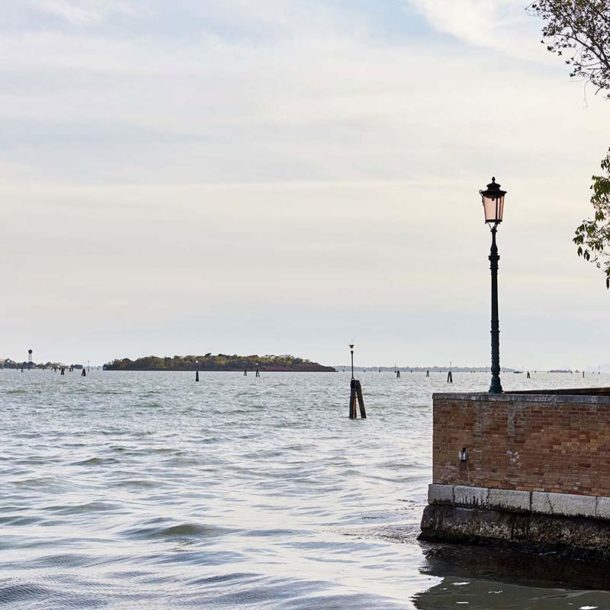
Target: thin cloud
{"points": [[501, 25], [83, 13]]}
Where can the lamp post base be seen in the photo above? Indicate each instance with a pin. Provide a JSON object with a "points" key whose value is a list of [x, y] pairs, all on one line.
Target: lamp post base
{"points": [[496, 386]]}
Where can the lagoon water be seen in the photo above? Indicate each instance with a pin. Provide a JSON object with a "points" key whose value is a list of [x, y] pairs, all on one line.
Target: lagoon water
{"points": [[148, 490]]}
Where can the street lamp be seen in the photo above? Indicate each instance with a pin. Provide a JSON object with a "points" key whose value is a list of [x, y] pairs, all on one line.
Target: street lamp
{"points": [[351, 349], [493, 206]]}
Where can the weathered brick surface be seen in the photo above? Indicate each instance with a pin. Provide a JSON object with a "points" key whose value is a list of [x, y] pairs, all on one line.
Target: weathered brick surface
{"points": [[527, 442]]}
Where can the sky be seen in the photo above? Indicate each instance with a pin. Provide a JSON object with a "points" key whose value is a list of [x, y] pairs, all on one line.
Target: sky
{"points": [[290, 176]]}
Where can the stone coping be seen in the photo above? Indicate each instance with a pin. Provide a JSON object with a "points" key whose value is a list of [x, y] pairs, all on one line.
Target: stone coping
{"points": [[537, 396], [568, 391], [510, 500]]}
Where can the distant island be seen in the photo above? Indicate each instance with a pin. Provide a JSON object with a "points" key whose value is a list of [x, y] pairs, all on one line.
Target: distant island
{"points": [[7, 363], [219, 362]]}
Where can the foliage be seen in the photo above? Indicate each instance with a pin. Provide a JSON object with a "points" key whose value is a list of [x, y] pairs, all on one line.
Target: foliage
{"points": [[578, 31], [220, 362], [593, 236], [7, 363]]}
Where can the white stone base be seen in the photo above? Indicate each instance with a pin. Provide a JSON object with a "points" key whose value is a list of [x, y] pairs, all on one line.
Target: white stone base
{"points": [[546, 503]]}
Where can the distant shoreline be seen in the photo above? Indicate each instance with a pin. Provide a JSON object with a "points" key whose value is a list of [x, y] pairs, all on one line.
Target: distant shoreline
{"points": [[221, 363], [262, 370]]}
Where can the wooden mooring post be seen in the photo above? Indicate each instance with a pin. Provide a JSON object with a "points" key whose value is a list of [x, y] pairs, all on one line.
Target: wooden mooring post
{"points": [[356, 400]]}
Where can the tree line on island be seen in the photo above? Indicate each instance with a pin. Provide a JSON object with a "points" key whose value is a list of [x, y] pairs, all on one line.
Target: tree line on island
{"points": [[219, 362], [7, 363]]}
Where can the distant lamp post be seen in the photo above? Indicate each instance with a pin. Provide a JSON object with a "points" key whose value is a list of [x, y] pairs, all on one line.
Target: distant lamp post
{"points": [[351, 349], [493, 206]]}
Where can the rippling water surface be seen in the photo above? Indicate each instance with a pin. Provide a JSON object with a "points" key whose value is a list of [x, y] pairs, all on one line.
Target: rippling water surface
{"points": [[148, 490]]}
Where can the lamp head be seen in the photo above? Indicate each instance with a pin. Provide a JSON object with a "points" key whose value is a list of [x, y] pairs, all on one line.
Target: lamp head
{"points": [[493, 202]]}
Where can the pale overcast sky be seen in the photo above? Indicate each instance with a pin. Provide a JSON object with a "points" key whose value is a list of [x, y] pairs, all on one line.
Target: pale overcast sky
{"points": [[287, 176]]}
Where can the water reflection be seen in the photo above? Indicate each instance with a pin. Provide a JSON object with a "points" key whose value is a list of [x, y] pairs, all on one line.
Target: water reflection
{"points": [[482, 578]]}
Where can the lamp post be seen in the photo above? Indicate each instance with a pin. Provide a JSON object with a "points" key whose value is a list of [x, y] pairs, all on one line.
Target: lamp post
{"points": [[351, 349], [493, 207]]}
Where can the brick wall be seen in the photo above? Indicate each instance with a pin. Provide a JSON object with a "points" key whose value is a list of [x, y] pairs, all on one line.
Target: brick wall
{"points": [[541, 442]]}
